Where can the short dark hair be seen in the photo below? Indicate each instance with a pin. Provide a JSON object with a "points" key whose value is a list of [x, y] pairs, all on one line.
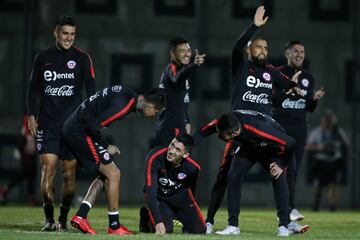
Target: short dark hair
{"points": [[185, 139], [157, 97], [254, 39], [65, 20], [227, 123], [176, 41], [290, 44]]}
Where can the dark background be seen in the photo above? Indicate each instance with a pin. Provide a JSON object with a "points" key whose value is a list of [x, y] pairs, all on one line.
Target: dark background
{"points": [[128, 42]]}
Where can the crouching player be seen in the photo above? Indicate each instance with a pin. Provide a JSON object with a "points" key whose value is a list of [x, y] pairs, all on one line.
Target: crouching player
{"points": [[171, 177]]}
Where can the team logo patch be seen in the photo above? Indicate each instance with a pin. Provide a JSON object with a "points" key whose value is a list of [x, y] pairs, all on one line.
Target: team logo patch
{"points": [[106, 156], [38, 146], [71, 64], [266, 76], [181, 176], [305, 82]]}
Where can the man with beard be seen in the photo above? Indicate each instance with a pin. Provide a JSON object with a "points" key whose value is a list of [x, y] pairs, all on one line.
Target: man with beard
{"points": [[262, 141], [171, 176], [175, 82], [290, 111], [253, 82]]}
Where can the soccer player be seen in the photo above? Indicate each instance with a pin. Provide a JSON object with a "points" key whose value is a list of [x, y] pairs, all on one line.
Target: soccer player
{"points": [[58, 77], [290, 110], [82, 133], [175, 82], [171, 177], [262, 140], [252, 84]]}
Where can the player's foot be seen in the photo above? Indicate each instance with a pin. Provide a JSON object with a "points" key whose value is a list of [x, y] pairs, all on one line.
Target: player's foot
{"points": [[229, 230], [120, 231], [177, 223], [3, 195], [82, 224], [209, 228], [62, 226], [49, 227], [283, 232], [297, 228], [295, 215], [145, 223]]}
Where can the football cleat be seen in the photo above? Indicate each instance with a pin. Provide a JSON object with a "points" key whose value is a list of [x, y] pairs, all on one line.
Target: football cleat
{"points": [[209, 228], [120, 231], [49, 227], [295, 215], [62, 226], [283, 232], [82, 224], [229, 230], [297, 228]]}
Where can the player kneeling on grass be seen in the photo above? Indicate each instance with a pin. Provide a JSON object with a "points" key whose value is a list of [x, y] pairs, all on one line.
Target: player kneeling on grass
{"points": [[82, 132], [171, 177]]}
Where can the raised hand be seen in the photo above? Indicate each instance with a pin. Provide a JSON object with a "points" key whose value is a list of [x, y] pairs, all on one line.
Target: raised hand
{"points": [[319, 94], [199, 58], [259, 19]]}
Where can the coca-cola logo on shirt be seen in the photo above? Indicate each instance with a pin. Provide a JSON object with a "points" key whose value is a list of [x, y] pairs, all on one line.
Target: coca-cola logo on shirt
{"points": [[292, 104], [256, 98], [63, 91]]}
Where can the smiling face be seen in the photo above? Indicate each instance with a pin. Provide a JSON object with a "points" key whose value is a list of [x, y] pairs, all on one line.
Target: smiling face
{"points": [[176, 151], [181, 54], [65, 36], [295, 55]]}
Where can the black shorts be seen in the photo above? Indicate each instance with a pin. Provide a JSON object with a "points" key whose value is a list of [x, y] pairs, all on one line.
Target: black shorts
{"points": [[51, 141], [88, 153]]}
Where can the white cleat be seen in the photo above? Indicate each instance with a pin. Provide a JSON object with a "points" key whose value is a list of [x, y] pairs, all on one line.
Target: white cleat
{"points": [[283, 232], [209, 228], [295, 215], [229, 230], [297, 228]]}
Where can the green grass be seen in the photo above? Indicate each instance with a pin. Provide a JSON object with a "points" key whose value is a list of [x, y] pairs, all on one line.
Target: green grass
{"points": [[21, 222]]}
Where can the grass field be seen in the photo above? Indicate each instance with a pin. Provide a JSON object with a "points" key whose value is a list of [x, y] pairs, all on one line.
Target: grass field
{"points": [[21, 222]]}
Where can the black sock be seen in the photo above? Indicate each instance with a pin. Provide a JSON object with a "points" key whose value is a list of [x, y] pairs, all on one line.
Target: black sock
{"points": [[114, 222], [63, 213], [49, 212], [83, 210]]}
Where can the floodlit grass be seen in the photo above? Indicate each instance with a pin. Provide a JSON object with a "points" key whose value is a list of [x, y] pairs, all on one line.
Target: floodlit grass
{"points": [[22, 222]]}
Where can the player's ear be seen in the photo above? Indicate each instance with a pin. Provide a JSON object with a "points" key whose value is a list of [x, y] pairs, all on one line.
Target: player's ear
{"points": [[55, 33], [248, 51], [186, 154]]}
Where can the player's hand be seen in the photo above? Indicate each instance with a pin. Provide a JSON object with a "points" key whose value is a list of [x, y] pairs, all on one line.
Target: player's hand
{"points": [[319, 94], [298, 91], [188, 128], [112, 149], [199, 58], [259, 19], [33, 125], [295, 78], [275, 170], [160, 229]]}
